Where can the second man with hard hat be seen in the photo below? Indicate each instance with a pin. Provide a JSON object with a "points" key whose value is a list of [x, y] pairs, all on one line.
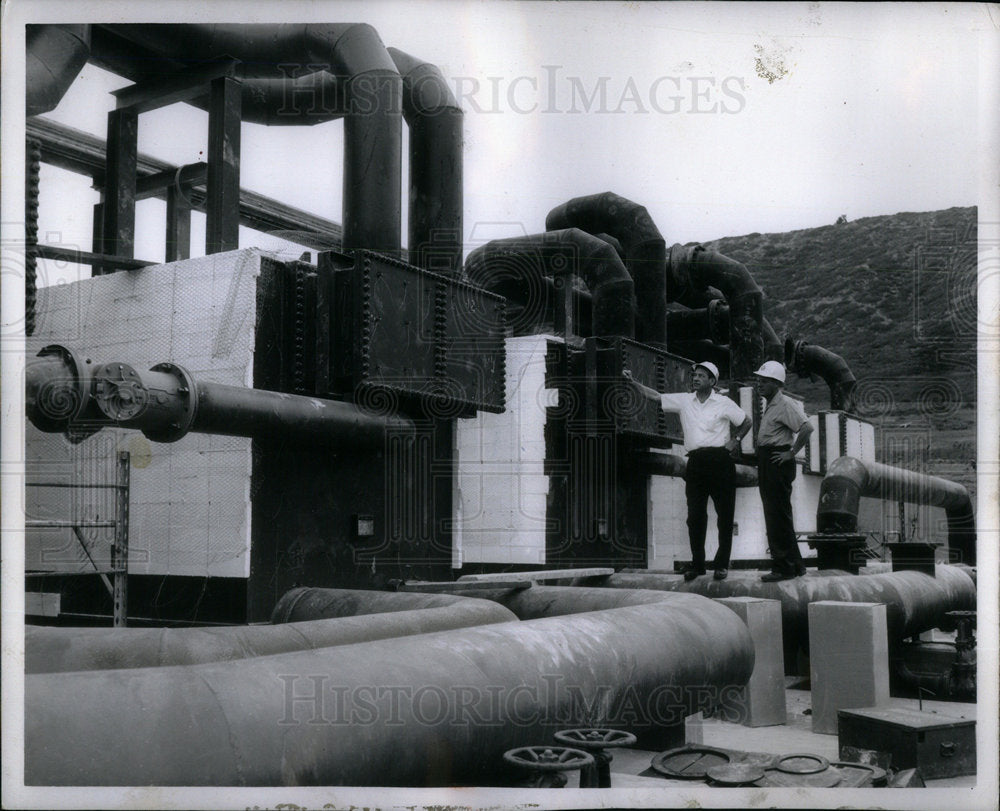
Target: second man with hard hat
{"points": [[784, 429]]}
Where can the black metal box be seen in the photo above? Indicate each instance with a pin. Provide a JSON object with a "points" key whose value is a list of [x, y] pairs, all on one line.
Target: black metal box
{"points": [[937, 745], [400, 329]]}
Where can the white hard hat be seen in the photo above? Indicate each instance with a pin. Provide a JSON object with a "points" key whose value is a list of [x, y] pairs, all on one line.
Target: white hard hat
{"points": [[709, 367], [773, 370]]}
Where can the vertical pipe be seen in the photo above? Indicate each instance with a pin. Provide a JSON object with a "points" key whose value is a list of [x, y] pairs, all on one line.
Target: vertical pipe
{"points": [[119, 183], [223, 204], [178, 235]]}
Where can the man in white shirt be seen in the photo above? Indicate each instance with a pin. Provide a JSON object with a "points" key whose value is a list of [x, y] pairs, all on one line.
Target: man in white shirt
{"points": [[784, 430], [706, 418]]}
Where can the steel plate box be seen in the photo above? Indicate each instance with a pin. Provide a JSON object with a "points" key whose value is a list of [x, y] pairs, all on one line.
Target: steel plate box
{"points": [[937, 745]]}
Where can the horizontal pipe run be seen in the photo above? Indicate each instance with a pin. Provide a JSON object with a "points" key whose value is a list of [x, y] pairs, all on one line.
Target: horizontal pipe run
{"points": [[849, 479], [915, 602], [166, 403], [672, 465], [373, 713], [51, 649]]}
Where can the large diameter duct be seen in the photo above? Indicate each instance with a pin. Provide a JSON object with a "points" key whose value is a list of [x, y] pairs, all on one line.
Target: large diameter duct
{"points": [[692, 268], [915, 602], [808, 359], [644, 247], [848, 479], [434, 709], [56, 650], [285, 69], [54, 57], [166, 403], [434, 118], [518, 266]]}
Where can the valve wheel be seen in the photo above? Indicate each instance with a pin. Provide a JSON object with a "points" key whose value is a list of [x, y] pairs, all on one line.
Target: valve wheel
{"points": [[548, 758], [595, 738]]}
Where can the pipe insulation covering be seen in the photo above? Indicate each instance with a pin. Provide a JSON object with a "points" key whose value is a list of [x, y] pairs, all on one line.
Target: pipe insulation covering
{"points": [[434, 709], [56, 650]]}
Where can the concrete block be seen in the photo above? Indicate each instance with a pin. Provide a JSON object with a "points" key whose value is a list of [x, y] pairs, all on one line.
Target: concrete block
{"points": [[764, 695], [849, 659]]}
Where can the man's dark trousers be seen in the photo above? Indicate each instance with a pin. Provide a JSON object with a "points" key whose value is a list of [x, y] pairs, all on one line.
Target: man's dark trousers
{"points": [[711, 472], [775, 483]]}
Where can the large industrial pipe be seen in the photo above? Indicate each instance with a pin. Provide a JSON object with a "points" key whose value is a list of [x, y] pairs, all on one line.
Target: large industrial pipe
{"points": [[691, 268], [517, 266], [807, 359], [271, 60], [166, 403], [848, 479], [56, 650], [434, 709], [914, 601], [54, 56], [670, 464], [710, 322], [434, 118], [645, 252]]}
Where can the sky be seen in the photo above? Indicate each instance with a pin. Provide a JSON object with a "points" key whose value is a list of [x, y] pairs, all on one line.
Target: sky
{"points": [[721, 119]]}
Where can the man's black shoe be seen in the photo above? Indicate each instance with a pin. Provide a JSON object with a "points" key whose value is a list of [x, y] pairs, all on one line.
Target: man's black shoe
{"points": [[691, 573], [721, 574], [774, 577], [800, 572]]}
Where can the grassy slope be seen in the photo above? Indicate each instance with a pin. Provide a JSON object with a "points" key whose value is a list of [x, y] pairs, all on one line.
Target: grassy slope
{"points": [[895, 296]]}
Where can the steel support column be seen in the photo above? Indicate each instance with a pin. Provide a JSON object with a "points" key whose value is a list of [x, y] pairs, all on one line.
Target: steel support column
{"points": [[178, 236], [223, 220], [119, 184]]}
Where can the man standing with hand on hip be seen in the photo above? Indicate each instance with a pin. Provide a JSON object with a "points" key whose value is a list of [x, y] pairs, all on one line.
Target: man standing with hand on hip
{"points": [[784, 430], [706, 417]]}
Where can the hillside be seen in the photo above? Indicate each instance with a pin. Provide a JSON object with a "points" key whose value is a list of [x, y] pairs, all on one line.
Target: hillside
{"points": [[895, 296]]}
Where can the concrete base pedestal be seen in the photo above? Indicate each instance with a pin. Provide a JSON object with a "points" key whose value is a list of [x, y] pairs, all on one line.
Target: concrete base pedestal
{"points": [[764, 695], [848, 659]]}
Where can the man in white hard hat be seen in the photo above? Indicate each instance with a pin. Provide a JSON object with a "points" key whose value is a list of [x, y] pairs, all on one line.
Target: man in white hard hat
{"points": [[706, 418], [784, 430]]}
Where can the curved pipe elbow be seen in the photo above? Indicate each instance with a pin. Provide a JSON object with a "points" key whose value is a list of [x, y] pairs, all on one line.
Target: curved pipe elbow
{"points": [[54, 57], [519, 264], [807, 359], [848, 480]]}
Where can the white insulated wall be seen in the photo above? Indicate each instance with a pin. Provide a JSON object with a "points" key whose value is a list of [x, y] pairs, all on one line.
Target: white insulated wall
{"points": [[190, 500], [502, 491]]}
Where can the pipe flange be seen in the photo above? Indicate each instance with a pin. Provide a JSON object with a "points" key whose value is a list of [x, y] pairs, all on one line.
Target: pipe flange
{"points": [[60, 402], [187, 392], [119, 392]]}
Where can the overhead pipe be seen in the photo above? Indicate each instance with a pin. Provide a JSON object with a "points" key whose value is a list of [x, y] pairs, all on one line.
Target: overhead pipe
{"points": [[705, 323], [64, 393], [644, 247], [348, 73], [374, 713], [361, 619], [670, 464], [691, 268], [54, 56], [434, 118], [519, 265], [915, 601], [848, 479], [807, 359]]}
